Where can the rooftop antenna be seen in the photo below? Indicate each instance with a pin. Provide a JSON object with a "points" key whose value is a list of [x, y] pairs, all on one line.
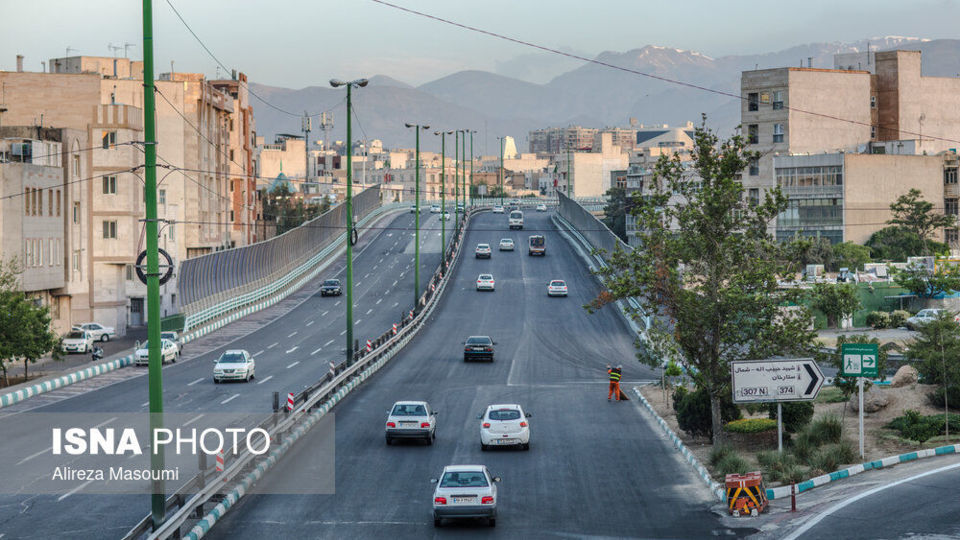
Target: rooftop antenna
{"points": [[114, 48], [126, 46]]}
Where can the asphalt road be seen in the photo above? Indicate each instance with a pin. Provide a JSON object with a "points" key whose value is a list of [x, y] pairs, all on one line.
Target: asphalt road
{"points": [[595, 469], [925, 507], [291, 352]]}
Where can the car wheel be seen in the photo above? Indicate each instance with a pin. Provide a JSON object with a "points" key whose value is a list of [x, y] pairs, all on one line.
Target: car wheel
{"points": [[492, 522], [174, 360], [484, 447], [526, 446], [437, 522], [429, 441], [105, 338], [216, 381], [389, 441]]}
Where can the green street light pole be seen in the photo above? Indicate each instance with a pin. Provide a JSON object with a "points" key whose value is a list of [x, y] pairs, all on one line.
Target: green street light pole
{"points": [[456, 180], [463, 176], [155, 370], [501, 170], [359, 83], [471, 165], [416, 219], [443, 192]]}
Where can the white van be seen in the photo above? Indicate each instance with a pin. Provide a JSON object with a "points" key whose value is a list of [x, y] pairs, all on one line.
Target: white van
{"points": [[516, 219]]}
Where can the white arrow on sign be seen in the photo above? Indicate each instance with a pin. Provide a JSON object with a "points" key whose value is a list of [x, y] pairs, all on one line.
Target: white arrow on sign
{"points": [[795, 379]]}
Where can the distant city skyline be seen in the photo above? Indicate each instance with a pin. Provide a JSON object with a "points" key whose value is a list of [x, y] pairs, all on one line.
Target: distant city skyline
{"points": [[304, 43]]}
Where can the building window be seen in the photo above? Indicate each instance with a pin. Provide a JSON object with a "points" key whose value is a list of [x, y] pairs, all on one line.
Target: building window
{"points": [[109, 139], [754, 196], [950, 206], [753, 101], [26, 201], [873, 102], [952, 237], [873, 132], [753, 134], [161, 196], [231, 150], [109, 185], [76, 261], [754, 166], [50, 202], [109, 229], [777, 133], [129, 269], [950, 175], [778, 99], [76, 212], [58, 203], [76, 166]]}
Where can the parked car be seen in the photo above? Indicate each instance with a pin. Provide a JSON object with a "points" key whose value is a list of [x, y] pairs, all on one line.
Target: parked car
{"points": [[478, 348], [97, 331], [411, 420], [926, 316], [465, 492], [557, 287], [504, 425], [168, 352], [435, 209], [236, 365], [331, 287], [76, 341], [483, 251], [498, 209], [506, 244], [485, 282], [174, 337], [541, 208]]}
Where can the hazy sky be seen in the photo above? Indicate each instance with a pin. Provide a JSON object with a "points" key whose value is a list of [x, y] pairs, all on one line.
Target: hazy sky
{"points": [[298, 43]]}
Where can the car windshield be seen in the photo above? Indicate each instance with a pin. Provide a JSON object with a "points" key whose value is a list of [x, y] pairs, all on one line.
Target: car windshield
{"points": [[75, 335], [486, 277], [506, 241], [331, 282], [557, 283], [90, 327], [479, 341], [504, 414], [464, 479], [409, 409], [232, 358], [515, 215], [166, 335]]}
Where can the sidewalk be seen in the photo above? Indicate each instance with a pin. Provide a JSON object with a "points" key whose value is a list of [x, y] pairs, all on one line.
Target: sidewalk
{"points": [[71, 362]]}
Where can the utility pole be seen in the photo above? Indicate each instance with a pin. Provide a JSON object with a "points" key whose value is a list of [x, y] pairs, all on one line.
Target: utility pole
{"points": [[456, 180], [305, 127], [416, 218], [501, 170], [155, 367], [568, 169], [471, 165], [443, 193]]}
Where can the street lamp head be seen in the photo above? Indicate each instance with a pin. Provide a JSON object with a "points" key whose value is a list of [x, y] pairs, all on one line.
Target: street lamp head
{"points": [[409, 125], [426, 127], [361, 82], [336, 82]]}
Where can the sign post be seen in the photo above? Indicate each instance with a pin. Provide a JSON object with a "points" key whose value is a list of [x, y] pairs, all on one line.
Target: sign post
{"points": [[860, 360], [776, 381]]}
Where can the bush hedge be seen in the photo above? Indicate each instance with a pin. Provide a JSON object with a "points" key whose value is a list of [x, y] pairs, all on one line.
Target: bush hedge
{"points": [[750, 425], [796, 414], [878, 319], [732, 464], [899, 318], [916, 427], [693, 412]]}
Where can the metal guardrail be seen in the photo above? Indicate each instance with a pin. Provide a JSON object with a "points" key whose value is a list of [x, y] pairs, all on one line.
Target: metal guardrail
{"points": [[309, 405]]}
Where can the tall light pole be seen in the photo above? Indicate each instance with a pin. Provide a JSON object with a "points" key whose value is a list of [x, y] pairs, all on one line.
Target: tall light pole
{"points": [[472, 131], [443, 193], [501, 170], [463, 175], [416, 219], [456, 180], [359, 83]]}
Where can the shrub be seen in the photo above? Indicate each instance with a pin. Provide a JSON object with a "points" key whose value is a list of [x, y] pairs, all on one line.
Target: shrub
{"points": [[878, 319], [732, 464], [899, 318], [750, 425], [693, 412], [826, 429], [935, 398], [678, 394], [780, 467], [719, 452], [830, 457], [804, 447], [796, 414], [912, 425]]}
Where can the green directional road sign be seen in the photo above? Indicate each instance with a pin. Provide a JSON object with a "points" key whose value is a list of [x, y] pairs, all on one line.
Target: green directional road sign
{"points": [[860, 360]]}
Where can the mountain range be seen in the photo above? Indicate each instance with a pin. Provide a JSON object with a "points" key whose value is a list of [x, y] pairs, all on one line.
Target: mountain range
{"points": [[590, 95]]}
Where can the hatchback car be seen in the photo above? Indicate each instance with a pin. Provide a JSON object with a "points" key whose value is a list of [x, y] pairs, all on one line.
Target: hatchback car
{"points": [[498, 209], [465, 492], [506, 244], [168, 352], [483, 251], [478, 348], [234, 365], [331, 287], [557, 287], [77, 341], [411, 420], [541, 208], [435, 209], [98, 331], [504, 425], [485, 282]]}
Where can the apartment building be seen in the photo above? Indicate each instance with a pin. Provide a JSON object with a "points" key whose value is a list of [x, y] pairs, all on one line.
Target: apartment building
{"points": [[555, 140], [244, 207], [587, 174]]}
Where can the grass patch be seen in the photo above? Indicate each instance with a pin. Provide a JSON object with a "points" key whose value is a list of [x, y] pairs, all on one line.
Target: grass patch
{"points": [[826, 429], [732, 464], [830, 394], [750, 425], [719, 453]]}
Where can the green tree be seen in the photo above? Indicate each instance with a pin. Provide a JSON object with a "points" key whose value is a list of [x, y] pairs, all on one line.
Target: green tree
{"points": [[836, 301], [25, 332], [804, 250], [937, 352], [615, 213], [916, 215], [918, 280], [706, 270], [850, 255]]}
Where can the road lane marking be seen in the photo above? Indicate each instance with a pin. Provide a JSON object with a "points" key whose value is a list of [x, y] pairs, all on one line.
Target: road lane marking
{"points": [[369, 311], [105, 422], [327, 344], [342, 333], [380, 300], [338, 303], [293, 349], [316, 351], [192, 420], [358, 321], [395, 283], [265, 380], [324, 314], [293, 364], [272, 346], [309, 323], [358, 283], [375, 266], [229, 399], [291, 335], [365, 276], [402, 273], [145, 403], [381, 259], [395, 304], [195, 382], [74, 490], [258, 353]]}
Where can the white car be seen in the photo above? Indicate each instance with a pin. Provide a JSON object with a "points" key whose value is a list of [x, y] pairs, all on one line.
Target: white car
{"points": [[504, 425], [235, 365], [174, 337], [506, 244], [926, 316], [97, 330], [435, 209], [541, 208], [411, 420], [168, 352], [483, 251], [78, 341], [485, 282], [465, 492], [498, 209], [557, 287], [445, 216]]}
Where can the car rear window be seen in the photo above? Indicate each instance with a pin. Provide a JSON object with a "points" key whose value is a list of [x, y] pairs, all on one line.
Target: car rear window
{"points": [[464, 479], [409, 410], [479, 341], [483, 246], [557, 283], [166, 335], [504, 414], [331, 282]]}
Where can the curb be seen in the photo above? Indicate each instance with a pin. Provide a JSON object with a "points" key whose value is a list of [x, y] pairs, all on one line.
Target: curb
{"points": [[784, 491], [715, 487], [12, 398]]}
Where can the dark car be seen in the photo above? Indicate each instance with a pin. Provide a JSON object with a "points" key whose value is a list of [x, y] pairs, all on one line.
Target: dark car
{"points": [[478, 348], [331, 287]]}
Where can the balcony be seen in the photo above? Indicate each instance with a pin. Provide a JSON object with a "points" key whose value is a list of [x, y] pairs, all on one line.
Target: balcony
{"points": [[818, 192], [951, 191]]}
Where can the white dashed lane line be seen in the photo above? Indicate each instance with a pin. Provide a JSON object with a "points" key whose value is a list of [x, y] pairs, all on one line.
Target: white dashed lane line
{"points": [[272, 346], [195, 382], [265, 380], [293, 349], [369, 311], [229, 399], [324, 314], [192, 420], [291, 335], [293, 364], [258, 353], [327, 344], [316, 351], [380, 300], [309, 323]]}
